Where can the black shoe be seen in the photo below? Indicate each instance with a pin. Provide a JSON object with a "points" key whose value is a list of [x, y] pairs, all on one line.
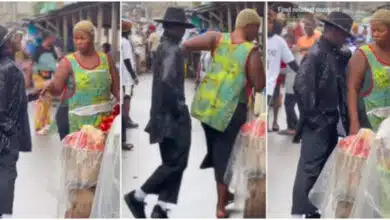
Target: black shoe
{"points": [[136, 207], [230, 198], [296, 139], [158, 212], [127, 147], [315, 215], [131, 124]]}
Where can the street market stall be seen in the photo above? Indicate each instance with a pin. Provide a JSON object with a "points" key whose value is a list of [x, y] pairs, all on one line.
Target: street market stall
{"points": [[104, 15]]}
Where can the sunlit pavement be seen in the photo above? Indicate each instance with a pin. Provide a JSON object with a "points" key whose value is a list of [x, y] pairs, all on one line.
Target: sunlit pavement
{"points": [[37, 181], [198, 191], [282, 160]]}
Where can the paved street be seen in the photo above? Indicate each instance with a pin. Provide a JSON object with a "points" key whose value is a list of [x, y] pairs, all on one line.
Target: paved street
{"points": [[198, 191], [282, 164], [37, 180]]}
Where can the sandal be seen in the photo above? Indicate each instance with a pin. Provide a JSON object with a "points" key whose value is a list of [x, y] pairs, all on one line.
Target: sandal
{"points": [[287, 132]]}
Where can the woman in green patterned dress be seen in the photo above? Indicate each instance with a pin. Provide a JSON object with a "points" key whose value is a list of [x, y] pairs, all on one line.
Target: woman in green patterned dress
{"points": [[369, 106], [369, 77], [83, 78]]}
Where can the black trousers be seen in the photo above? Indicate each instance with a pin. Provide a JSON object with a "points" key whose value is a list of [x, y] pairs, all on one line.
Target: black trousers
{"points": [[166, 179], [315, 151], [8, 175], [291, 116], [220, 144], [123, 124], [62, 120]]}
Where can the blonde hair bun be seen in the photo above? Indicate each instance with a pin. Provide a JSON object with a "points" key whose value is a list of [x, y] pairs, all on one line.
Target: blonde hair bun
{"points": [[246, 17], [85, 26]]}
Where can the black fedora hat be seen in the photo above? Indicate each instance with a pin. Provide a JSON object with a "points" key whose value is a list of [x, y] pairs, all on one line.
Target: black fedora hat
{"points": [[175, 16], [341, 21]]}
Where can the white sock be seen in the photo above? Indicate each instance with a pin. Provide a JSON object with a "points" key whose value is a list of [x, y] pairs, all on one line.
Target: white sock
{"points": [[163, 205], [5, 216], [297, 216], [140, 195]]}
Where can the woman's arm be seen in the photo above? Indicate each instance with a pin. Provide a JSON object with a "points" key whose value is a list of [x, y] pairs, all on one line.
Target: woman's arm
{"points": [[207, 41], [356, 69], [115, 78], [57, 84], [255, 69]]}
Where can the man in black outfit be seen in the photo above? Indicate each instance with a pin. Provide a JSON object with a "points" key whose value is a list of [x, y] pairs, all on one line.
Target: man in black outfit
{"points": [[170, 122], [15, 133], [320, 90]]}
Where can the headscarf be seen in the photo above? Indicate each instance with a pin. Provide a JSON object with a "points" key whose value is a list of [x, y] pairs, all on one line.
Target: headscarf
{"points": [[246, 17], [85, 26], [383, 16]]}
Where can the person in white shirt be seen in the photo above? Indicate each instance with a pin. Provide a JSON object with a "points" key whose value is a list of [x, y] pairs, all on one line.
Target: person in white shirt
{"points": [[129, 79], [277, 51]]}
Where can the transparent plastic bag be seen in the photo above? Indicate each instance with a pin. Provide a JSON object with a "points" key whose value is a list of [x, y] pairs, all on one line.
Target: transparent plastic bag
{"points": [[81, 157], [373, 197], [248, 159], [106, 202], [337, 186]]}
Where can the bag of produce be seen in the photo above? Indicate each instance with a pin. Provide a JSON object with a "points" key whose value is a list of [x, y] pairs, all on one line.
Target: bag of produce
{"points": [[373, 197], [248, 159], [336, 188], [81, 158]]}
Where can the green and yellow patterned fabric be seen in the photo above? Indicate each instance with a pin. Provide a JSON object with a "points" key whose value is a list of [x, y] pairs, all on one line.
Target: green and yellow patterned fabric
{"points": [[89, 87], [376, 87], [224, 84]]}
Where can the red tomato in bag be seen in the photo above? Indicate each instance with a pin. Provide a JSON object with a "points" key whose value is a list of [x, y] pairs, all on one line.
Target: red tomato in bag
{"points": [[116, 110], [103, 127]]}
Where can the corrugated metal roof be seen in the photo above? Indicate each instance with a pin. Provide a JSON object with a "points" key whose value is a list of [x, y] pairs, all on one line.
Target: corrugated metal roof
{"points": [[65, 9]]}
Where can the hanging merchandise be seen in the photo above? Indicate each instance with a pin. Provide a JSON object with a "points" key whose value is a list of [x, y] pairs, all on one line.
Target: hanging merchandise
{"points": [[196, 21], [32, 39]]}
